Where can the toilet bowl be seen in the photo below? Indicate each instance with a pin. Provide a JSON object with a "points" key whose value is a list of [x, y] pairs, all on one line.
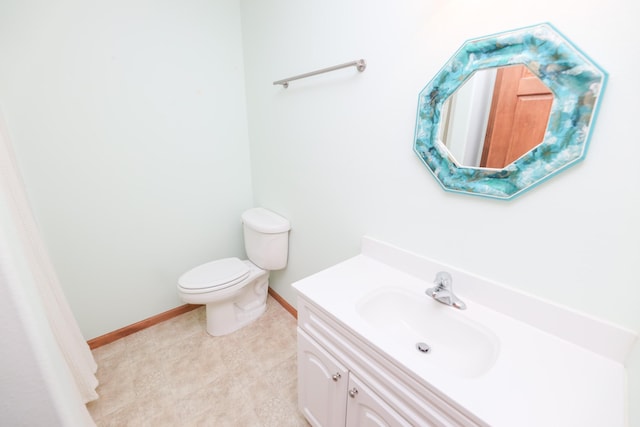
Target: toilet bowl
{"points": [[233, 290]]}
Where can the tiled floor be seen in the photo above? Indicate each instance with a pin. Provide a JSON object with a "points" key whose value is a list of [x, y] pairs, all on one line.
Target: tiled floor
{"points": [[174, 374]]}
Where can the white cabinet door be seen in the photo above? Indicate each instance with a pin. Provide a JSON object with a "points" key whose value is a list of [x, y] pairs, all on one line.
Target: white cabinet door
{"points": [[367, 409], [322, 384]]}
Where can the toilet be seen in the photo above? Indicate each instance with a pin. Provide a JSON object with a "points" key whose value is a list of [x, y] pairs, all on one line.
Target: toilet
{"points": [[234, 290]]}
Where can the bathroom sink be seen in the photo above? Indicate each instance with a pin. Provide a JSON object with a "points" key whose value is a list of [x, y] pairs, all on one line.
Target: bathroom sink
{"points": [[456, 343]]}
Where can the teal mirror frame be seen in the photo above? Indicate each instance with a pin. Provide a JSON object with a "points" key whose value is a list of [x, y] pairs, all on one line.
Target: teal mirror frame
{"points": [[577, 84]]}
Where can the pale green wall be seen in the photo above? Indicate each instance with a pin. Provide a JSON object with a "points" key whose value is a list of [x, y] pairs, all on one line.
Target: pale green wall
{"points": [[334, 152], [128, 120]]}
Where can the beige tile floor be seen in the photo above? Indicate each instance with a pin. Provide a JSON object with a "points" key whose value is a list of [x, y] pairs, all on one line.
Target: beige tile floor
{"points": [[175, 374]]}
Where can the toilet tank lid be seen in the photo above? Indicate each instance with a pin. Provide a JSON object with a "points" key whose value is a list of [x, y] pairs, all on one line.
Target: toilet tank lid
{"points": [[265, 221]]}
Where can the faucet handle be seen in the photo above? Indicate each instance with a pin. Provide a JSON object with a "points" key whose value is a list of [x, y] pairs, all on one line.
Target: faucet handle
{"points": [[443, 280], [443, 291], [443, 283]]}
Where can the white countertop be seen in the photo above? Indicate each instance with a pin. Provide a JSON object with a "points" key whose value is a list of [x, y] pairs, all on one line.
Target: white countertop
{"points": [[537, 379]]}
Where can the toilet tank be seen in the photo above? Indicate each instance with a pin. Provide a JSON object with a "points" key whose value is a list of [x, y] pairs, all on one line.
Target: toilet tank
{"points": [[266, 238]]}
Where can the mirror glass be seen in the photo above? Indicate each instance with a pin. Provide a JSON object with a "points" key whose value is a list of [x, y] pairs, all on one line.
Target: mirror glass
{"points": [[477, 140], [495, 117]]}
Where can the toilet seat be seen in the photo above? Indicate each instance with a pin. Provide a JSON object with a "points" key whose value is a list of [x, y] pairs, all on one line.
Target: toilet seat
{"points": [[213, 276]]}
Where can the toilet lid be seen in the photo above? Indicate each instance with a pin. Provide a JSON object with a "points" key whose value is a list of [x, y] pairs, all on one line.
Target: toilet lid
{"points": [[217, 274]]}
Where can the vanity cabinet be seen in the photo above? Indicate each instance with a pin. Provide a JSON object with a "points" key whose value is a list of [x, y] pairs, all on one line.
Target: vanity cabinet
{"points": [[345, 381]]}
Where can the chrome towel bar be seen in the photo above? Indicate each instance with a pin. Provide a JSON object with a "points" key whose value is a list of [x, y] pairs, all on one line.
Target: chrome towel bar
{"points": [[360, 64]]}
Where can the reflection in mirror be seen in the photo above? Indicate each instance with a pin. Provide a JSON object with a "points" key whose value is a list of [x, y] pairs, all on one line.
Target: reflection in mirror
{"points": [[497, 116]]}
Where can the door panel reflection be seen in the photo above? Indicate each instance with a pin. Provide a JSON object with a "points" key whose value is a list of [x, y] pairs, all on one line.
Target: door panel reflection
{"points": [[497, 116]]}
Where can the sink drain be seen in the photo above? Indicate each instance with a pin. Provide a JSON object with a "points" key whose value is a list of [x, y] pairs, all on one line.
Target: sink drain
{"points": [[423, 347]]}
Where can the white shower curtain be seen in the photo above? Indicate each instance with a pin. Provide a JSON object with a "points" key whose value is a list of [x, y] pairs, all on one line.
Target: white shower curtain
{"points": [[61, 322]]}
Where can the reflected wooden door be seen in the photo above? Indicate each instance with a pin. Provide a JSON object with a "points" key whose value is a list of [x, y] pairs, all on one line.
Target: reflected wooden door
{"points": [[518, 118]]}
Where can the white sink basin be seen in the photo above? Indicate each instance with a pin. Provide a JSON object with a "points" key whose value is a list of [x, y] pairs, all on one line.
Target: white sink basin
{"points": [[457, 344]]}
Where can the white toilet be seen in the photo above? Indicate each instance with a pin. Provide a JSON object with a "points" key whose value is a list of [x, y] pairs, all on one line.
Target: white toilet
{"points": [[235, 291]]}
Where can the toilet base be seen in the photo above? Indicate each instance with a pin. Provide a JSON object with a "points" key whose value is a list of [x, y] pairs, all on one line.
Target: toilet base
{"points": [[240, 309]]}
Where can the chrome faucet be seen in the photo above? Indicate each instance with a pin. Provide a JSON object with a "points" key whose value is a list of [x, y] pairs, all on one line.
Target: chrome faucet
{"points": [[443, 291]]}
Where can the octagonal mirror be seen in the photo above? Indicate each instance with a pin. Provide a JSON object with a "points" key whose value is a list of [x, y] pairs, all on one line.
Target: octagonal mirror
{"points": [[507, 112]]}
